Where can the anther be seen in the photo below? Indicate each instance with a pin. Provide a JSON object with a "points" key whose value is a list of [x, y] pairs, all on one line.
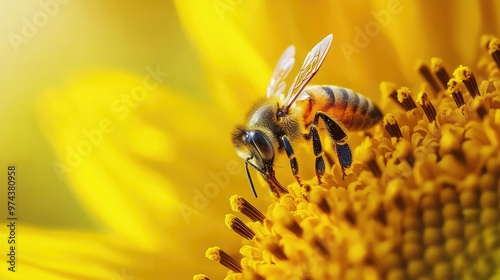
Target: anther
{"points": [[453, 88], [380, 214], [293, 226], [439, 70], [485, 40], [305, 189], [277, 251], [239, 204], [320, 247], [465, 75], [374, 168], [404, 152], [426, 104], [217, 254], [480, 109], [494, 50], [317, 197], [350, 215], [389, 89], [323, 205], [449, 144], [369, 159], [200, 277], [239, 227], [392, 127], [405, 98], [424, 70]]}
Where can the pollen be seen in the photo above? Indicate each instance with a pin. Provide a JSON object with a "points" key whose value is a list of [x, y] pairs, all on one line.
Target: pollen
{"points": [[465, 75], [218, 255], [453, 89], [200, 277], [392, 127], [404, 97], [427, 106], [240, 204], [421, 200]]}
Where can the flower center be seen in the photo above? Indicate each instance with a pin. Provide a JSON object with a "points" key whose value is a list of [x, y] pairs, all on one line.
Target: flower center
{"points": [[421, 201]]}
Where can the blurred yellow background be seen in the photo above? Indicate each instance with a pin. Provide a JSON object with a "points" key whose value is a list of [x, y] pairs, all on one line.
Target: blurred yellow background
{"points": [[65, 63], [81, 35]]}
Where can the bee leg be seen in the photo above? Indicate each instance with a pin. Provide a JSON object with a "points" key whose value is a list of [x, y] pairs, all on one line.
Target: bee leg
{"points": [[274, 190], [339, 137], [318, 151], [291, 155], [345, 156]]}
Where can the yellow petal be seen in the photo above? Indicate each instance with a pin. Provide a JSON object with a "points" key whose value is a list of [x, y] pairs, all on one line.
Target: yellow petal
{"points": [[62, 254]]}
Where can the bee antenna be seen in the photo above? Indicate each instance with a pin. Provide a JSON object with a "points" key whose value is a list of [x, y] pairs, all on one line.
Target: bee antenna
{"points": [[250, 177]]}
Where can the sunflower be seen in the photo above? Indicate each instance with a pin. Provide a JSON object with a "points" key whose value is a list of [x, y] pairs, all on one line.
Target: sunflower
{"points": [[422, 198], [152, 164]]}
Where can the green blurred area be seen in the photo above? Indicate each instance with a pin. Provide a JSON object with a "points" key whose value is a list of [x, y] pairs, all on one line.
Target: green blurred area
{"points": [[59, 40]]}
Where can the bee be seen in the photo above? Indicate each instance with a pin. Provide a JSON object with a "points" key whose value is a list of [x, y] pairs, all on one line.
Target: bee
{"points": [[280, 119]]}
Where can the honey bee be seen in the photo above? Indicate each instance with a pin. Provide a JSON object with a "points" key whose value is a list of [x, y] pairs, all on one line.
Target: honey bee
{"points": [[279, 120]]}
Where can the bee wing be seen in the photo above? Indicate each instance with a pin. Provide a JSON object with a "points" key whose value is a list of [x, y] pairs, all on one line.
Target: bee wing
{"points": [[277, 84], [313, 61]]}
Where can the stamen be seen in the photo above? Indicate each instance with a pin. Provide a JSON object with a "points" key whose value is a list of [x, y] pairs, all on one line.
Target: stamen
{"points": [[374, 168], [454, 90], [439, 70], [380, 214], [200, 277], [350, 215], [323, 205], [426, 104], [392, 127], [449, 144], [217, 254], [480, 109], [465, 75], [424, 70], [239, 204], [305, 190], [485, 40], [239, 227], [494, 50], [317, 197], [405, 98], [320, 247], [369, 159], [293, 226], [277, 251], [404, 152], [389, 89]]}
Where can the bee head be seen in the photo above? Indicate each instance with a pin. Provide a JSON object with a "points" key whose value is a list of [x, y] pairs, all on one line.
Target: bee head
{"points": [[256, 147], [254, 144]]}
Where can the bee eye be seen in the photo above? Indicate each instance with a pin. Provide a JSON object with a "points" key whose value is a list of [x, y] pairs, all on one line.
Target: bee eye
{"points": [[261, 142]]}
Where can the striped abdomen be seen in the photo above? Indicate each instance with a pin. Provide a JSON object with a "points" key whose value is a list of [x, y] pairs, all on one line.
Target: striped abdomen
{"points": [[353, 110]]}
